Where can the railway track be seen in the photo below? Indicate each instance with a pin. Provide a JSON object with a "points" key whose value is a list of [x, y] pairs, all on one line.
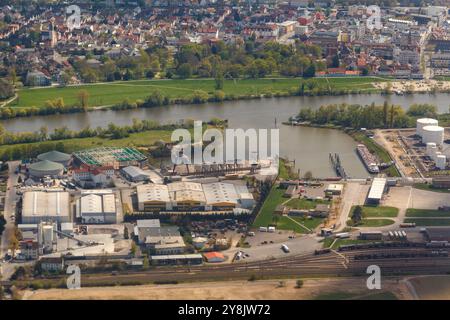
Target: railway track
{"points": [[329, 264]]}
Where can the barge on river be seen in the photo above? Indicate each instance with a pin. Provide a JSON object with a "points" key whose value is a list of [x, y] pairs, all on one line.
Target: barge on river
{"points": [[369, 160]]}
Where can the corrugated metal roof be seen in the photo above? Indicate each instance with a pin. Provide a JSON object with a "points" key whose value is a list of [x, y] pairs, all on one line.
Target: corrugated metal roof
{"points": [[377, 188]]}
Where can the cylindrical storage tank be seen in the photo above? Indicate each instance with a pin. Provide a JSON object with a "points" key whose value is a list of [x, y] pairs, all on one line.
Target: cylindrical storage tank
{"points": [[441, 162], [433, 151], [430, 151], [56, 156], [45, 168], [436, 154], [433, 134], [423, 122]]}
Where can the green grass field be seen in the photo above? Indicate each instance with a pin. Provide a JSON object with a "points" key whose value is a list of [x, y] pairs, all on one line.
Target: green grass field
{"points": [[428, 222], [265, 215], [105, 94], [377, 212], [141, 139], [311, 224], [284, 223], [426, 213]]}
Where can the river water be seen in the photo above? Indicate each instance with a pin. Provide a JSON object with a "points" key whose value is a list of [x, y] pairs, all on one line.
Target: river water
{"points": [[310, 147]]}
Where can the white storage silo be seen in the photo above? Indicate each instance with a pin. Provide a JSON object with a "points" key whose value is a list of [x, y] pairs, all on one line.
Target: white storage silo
{"points": [[441, 162], [47, 231], [424, 122], [433, 151], [436, 154], [430, 151], [433, 134]]}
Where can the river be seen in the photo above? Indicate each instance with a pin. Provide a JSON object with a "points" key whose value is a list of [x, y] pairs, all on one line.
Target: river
{"points": [[310, 147]]}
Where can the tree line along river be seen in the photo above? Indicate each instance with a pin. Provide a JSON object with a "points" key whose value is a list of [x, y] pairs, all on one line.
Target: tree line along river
{"points": [[310, 147]]}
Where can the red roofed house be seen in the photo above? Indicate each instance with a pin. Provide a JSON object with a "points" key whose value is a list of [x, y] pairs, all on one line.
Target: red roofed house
{"points": [[214, 257]]}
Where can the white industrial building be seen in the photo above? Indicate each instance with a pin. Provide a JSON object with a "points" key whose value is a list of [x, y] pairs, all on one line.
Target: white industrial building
{"points": [[152, 197], [159, 240], [165, 244], [135, 174], [45, 206], [188, 196], [377, 190], [97, 206], [146, 227], [219, 195]]}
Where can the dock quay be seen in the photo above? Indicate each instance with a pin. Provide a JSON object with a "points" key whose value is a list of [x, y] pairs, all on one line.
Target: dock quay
{"points": [[337, 165]]}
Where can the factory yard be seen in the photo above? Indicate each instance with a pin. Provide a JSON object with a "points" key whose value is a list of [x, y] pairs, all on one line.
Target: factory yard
{"points": [[411, 154], [355, 288]]}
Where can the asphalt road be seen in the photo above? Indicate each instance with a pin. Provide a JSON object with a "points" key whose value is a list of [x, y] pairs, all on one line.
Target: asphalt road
{"points": [[10, 202]]}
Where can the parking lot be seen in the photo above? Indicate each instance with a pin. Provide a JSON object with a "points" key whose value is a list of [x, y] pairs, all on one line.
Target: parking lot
{"points": [[298, 245]]}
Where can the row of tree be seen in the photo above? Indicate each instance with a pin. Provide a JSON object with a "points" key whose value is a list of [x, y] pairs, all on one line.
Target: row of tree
{"points": [[368, 116], [112, 131]]}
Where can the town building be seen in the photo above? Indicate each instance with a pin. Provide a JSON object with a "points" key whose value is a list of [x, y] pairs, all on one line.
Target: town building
{"points": [[214, 257], [93, 177], [177, 259], [52, 264]]}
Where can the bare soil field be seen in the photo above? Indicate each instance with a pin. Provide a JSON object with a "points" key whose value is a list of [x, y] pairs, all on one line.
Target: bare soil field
{"points": [[431, 287], [256, 290]]}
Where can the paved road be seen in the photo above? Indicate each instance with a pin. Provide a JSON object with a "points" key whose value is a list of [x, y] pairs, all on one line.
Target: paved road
{"points": [[10, 202], [354, 194]]}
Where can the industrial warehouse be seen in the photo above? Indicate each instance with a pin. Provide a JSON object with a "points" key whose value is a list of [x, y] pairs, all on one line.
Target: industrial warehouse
{"points": [[192, 196], [97, 206], [45, 206]]}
